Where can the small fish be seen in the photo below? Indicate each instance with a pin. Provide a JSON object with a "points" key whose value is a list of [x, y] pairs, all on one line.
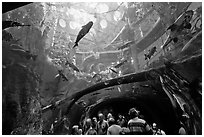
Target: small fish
{"points": [[180, 23], [95, 94], [113, 70], [186, 21], [59, 94], [7, 24], [80, 102], [61, 75], [120, 64], [16, 46], [85, 29], [42, 22], [150, 53], [173, 27], [145, 86], [57, 76], [95, 75], [24, 53], [128, 44], [72, 66], [119, 89], [109, 88], [148, 86]]}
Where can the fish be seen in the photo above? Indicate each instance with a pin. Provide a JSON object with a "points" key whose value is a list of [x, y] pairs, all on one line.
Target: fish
{"points": [[16, 46], [181, 19], [145, 86], [109, 88], [85, 29], [150, 53], [113, 70], [95, 75], [148, 86], [182, 23], [8, 24], [127, 44], [120, 64], [81, 102], [95, 94], [24, 53], [72, 66], [60, 74]]}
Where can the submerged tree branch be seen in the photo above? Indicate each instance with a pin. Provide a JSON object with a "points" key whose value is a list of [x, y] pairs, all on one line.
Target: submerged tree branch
{"points": [[151, 74]]}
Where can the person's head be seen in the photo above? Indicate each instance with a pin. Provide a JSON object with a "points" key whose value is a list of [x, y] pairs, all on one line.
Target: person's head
{"points": [[94, 119], [109, 115], [100, 116], [154, 126], [133, 113], [111, 121], [75, 129], [120, 116], [80, 131], [88, 122]]}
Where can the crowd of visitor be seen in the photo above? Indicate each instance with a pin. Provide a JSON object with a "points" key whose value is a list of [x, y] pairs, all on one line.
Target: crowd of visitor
{"points": [[109, 125]]}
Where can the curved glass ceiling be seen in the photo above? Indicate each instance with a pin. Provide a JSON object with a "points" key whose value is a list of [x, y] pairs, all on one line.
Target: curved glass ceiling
{"points": [[106, 17]]}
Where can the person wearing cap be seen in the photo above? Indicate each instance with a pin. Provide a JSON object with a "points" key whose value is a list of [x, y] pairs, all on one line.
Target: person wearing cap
{"points": [[137, 125], [156, 130], [113, 129], [80, 131], [121, 121], [95, 123], [109, 116], [102, 125], [75, 130], [66, 124], [182, 130]]}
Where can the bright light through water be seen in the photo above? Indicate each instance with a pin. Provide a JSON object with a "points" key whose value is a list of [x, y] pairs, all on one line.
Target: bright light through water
{"points": [[62, 23], [91, 4], [123, 3], [132, 61], [103, 24], [102, 8], [79, 18], [117, 15], [74, 25]]}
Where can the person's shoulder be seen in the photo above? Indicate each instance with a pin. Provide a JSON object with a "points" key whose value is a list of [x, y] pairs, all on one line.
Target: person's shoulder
{"points": [[117, 126], [162, 132], [130, 121], [141, 120], [105, 121], [109, 128]]}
